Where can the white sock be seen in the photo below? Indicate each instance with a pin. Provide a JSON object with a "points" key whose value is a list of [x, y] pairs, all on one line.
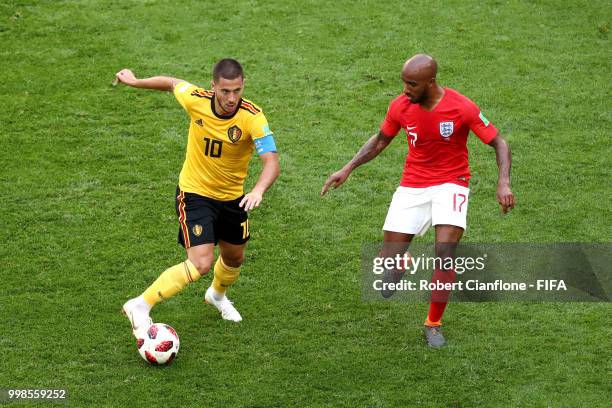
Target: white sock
{"points": [[216, 295], [142, 305]]}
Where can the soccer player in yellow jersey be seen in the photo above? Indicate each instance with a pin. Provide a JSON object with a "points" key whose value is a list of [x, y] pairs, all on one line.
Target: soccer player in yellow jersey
{"points": [[212, 208]]}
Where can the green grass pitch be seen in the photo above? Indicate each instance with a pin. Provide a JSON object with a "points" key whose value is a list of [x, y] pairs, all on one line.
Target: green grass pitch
{"points": [[88, 174]]}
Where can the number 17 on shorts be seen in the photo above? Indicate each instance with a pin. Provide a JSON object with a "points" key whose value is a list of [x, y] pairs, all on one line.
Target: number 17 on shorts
{"points": [[414, 210]]}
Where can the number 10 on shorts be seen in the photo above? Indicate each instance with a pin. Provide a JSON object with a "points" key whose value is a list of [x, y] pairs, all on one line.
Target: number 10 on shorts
{"points": [[458, 201], [245, 229]]}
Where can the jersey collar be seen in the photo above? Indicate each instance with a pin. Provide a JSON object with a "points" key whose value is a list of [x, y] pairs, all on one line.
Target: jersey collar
{"points": [[437, 104], [212, 107]]}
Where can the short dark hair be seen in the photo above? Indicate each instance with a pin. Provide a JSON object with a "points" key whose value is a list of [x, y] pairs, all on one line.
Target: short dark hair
{"points": [[227, 68]]}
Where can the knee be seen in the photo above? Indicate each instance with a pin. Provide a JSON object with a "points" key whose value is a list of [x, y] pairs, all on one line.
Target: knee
{"points": [[234, 260], [202, 263]]}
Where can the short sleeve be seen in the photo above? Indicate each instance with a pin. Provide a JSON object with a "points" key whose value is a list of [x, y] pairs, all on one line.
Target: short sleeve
{"points": [[184, 94], [390, 125], [258, 126], [479, 124]]}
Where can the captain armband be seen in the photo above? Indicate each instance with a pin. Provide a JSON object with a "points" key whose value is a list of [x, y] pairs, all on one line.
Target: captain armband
{"points": [[265, 144]]}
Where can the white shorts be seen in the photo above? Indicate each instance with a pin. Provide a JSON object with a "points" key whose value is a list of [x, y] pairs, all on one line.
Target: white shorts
{"points": [[414, 210]]}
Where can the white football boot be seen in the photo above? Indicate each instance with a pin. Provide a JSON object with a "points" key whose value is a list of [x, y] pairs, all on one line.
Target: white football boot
{"points": [[227, 309], [138, 315]]}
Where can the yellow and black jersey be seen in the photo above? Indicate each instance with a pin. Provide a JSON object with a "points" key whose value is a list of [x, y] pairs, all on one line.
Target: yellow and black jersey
{"points": [[219, 148]]}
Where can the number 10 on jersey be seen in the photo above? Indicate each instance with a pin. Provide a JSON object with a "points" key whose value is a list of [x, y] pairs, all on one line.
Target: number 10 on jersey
{"points": [[212, 148]]}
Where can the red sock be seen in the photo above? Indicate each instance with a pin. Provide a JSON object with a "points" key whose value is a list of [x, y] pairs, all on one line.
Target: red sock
{"points": [[439, 298]]}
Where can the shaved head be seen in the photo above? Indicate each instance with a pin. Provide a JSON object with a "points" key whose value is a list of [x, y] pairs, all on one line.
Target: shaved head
{"points": [[419, 77], [421, 66]]}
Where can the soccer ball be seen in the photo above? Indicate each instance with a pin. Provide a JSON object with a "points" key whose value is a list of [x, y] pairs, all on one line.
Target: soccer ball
{"points": [[159, 345]]}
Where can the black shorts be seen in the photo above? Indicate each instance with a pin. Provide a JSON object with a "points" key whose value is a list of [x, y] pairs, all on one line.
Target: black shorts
{"points": [[203, 220]]}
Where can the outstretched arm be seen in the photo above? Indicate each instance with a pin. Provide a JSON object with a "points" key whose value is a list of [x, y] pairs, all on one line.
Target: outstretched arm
{"points": [[505, 197], [269, 173], [368, 151], [161, 83]]}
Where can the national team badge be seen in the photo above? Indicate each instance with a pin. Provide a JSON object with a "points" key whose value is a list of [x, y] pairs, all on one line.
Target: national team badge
{"points": [[446, 129], [234, 133], [197, 230]]}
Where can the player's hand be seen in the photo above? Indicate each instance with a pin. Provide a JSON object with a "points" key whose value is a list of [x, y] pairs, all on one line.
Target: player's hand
{"points": [[505, 197], [251, 200], [126, 76], [335, 180]]}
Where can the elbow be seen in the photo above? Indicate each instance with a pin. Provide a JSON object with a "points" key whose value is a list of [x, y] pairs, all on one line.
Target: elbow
{"points": [[504, 144], [273, 164], [499, 143]]}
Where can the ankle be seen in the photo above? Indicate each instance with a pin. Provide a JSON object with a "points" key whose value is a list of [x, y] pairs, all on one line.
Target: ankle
{"points": [[217, 295], [142, 304]]}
